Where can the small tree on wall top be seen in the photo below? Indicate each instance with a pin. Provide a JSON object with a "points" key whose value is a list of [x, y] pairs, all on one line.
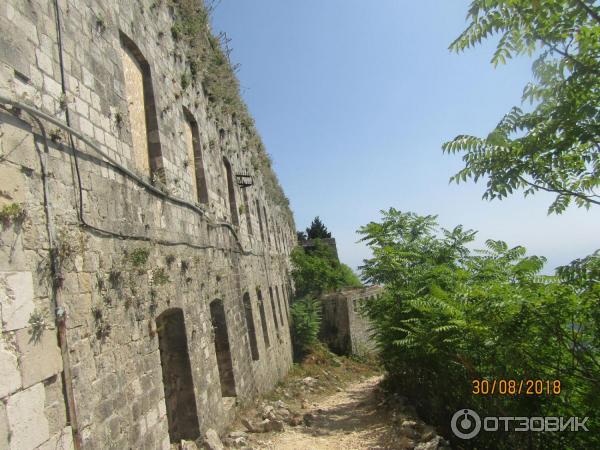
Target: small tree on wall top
{"points": [[317, 230]]}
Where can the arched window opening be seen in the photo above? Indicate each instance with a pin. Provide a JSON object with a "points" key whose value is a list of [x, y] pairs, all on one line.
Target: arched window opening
{"points": [[178, 384], [195, 164], [250, 326], [231, 191], [263, 318], [147, 157], [222, 348]]}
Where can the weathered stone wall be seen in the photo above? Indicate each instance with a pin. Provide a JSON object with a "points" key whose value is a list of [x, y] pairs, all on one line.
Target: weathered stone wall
{"points": [[110, 252], [344, 327]]}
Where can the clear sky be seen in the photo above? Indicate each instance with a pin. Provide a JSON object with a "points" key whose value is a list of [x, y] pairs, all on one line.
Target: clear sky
{"points": [[353, 100]]}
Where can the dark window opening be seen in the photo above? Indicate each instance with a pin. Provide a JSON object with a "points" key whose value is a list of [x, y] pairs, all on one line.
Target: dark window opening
{"points": [[279, 304], [267, 226], [285, 301], [250, 326], [180, 399], [222, 349], [247, 212], [263, 318], [260, 224], [231, 191], [273, 309]]}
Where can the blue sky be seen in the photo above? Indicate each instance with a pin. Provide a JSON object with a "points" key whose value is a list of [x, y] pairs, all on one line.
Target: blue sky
{"points": [[353, 100]]}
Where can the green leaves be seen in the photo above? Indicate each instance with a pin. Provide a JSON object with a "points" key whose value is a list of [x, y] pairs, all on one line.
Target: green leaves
{"points": [[451, 314], [306, 321], [555, 146]]}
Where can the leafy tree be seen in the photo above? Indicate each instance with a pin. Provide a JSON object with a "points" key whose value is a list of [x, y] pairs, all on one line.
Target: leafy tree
{"points": [[348, 277], [301, 235], [555, 146], [315, 272], [317, 230], [451, 315], [318, 271]]}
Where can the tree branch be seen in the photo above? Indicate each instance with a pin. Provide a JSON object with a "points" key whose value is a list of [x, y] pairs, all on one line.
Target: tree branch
{"points": [[560, 191], [589, 10]]}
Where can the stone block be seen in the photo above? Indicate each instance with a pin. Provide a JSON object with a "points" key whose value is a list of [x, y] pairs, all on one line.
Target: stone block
{"points": [[26, 419], [10, 377], [16, 299], [4, 429], [60, 441], [39, 359], [17, 142], [13, 188]]}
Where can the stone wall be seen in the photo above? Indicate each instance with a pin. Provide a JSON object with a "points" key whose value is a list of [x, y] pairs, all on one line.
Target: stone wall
{"points": [[344, 327], [91, 254]]}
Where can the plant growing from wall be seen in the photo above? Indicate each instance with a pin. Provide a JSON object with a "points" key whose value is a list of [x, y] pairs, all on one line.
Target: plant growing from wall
{"points": [[12, 213], [139, 257], [101, 325], [209, 64], [159, 277], [37, 325]]}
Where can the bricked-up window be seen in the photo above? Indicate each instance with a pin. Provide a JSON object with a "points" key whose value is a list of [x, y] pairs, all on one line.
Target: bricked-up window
{"points": [[178, 384], [263, 318], [279, 304], [139, 95], [273, 309], [260, 224], [195, 166], [222, 348], [250, 326], [231, 192]]}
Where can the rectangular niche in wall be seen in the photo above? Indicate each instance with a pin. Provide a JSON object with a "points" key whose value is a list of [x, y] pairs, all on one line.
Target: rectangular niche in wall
{"points": [[194, 155], [273, 309], [139, 95], [263, 318], [250, 326], [222, 348], [177, 376], [231, 192]]}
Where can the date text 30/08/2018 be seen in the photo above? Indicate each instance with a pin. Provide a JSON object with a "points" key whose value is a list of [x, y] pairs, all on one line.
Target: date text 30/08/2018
{"points": [[515, 387]]}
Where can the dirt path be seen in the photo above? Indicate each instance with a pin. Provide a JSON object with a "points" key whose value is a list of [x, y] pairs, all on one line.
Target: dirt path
{"points": [[351, 419]]}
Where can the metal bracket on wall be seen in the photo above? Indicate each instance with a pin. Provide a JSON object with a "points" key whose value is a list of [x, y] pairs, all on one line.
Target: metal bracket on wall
{"points": [[244, 179]]}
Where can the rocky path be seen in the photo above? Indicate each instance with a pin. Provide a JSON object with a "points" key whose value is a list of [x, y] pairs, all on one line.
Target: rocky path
{"points": [[358, 417]]}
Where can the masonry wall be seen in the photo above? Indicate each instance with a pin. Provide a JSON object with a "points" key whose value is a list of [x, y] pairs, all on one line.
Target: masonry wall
{"points": [[344, 327], [97, 256]]}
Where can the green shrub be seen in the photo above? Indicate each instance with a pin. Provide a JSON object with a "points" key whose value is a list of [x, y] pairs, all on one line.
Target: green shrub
{"points": [[451, 315], [318, 271], [306, 321]]}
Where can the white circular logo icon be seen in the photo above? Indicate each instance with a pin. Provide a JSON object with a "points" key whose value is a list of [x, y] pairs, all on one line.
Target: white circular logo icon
{"points": [[465, 424]]}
